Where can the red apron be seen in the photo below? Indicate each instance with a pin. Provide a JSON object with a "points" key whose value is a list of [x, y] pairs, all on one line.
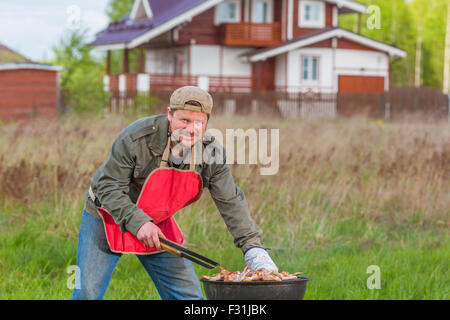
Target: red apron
{"points": [[165, 191]]}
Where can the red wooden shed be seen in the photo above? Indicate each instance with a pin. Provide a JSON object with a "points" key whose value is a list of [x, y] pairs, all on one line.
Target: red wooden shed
{"points": [[28, 90]]}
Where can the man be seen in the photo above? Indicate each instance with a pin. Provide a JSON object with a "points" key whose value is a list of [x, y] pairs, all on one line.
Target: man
{"points": [[117, 187]]}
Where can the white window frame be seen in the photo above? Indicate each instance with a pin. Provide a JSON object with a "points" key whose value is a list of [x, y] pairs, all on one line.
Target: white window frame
{"points": [[310, 69], [311, 24], [269, 10], [237, 18]]}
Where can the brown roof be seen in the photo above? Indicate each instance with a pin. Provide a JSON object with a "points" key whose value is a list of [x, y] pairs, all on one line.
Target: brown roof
{"points": [[8, 55]]}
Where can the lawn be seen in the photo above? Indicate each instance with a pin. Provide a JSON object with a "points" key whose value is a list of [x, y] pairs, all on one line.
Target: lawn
{"points": [[349, 194]]}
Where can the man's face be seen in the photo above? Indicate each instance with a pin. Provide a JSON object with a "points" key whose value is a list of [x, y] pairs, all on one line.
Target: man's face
{"points": [[187, 127]]}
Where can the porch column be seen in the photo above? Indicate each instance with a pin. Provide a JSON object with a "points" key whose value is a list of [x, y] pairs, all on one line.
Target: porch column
{"points": [[106, 81], [125, 68], [108, 62]]}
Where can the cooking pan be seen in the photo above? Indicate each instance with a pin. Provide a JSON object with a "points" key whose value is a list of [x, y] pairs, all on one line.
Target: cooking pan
{"points": [[255, 290]]}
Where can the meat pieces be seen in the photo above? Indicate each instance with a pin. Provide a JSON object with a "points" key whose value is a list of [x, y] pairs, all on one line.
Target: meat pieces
{"points": [[252, 275]]}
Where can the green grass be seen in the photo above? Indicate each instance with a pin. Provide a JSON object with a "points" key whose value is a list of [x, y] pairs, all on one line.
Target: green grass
{"points": [[414, 262]]}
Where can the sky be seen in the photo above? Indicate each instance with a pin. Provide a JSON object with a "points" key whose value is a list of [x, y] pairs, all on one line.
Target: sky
{"points": [[33, 27]]}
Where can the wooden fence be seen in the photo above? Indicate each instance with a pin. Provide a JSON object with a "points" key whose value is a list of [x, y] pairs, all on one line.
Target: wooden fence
{"points": [[392, 105]]}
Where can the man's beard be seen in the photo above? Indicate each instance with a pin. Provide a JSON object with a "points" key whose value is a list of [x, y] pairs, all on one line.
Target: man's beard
{"points": [[180, 136]]}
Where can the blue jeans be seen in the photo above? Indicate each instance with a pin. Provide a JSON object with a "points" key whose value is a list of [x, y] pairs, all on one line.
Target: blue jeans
{"points": [[174, 277]]}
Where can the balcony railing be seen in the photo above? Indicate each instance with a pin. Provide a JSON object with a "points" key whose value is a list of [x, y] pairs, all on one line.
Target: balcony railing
{"points": [[251, 34], [131, 83]]}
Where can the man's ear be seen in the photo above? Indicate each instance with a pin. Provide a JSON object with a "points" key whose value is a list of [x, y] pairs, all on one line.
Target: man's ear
{"points": [[169, 113]]}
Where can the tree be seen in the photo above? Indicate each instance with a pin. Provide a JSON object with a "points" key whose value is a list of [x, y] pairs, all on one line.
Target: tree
{"points": [[420, 11], [446, 76], [416, 26], [432, 17], [82, 76], [117, 9], [396, 28]]}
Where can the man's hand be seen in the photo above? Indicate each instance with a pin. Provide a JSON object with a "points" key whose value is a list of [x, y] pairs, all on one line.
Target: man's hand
{"points": [[149, 234], [258, 258]]}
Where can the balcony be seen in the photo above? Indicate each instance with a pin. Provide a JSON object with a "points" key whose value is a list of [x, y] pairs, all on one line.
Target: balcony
{"points": [[251, 34]]}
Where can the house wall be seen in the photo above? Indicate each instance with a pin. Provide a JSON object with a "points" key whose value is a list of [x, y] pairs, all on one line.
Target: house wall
{"points": [[218, 60], [232, 64], [28, 93], [263, 75], [298, 31], [205, 59], [358, 62], [280, 71], [332, 63], [294, 69], [201, 30], [211, 60], [163, 60]]}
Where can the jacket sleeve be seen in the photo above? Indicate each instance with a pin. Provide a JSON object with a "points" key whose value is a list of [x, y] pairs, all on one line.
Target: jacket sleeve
{"points": [[111, 186], [232, 205]]}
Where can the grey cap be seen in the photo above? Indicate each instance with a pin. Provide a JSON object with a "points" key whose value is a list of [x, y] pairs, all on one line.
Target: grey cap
{"points": [[182, 96]]}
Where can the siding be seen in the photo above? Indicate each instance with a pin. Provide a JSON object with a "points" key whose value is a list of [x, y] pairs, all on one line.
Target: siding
{"points": [[27, 93]]}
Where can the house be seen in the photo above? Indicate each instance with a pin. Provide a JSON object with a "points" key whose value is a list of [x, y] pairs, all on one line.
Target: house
{"points": [[27, 89], [246, 45]]}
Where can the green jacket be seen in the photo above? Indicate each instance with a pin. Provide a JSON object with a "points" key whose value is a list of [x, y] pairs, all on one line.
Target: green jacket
{"points": [[135, 153]]}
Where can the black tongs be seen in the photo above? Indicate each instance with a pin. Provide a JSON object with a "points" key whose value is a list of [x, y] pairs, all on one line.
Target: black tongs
{"points": [[181, 251]]}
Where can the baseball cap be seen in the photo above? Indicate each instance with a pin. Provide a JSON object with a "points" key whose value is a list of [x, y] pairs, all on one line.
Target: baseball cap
{"points": [[181, 100]]}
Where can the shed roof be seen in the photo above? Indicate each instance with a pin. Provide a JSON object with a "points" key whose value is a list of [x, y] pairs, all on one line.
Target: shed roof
{"points": [[29, 65], [8, 55]]}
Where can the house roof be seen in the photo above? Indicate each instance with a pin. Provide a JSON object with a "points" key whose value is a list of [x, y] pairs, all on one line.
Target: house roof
{"points": [[323, 34], [26, 65], [7, 55], [348, 6], [166, 14], [12, 60], [162, 15]]}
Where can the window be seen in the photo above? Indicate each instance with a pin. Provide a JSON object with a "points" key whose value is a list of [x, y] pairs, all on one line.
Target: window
{"points": [[178, 63], [310, 69], [228, 11], [166, 61], [262, 11], [311, 14]]}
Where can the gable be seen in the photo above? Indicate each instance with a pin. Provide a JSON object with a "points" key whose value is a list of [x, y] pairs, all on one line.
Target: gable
{"points": [[141, 10], [344, 43]]}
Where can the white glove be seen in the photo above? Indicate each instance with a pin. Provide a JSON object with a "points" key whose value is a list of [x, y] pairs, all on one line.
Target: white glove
{"points": [[258, 258]]}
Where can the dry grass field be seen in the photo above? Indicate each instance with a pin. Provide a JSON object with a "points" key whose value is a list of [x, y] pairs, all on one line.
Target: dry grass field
{"points": [[349, 193]]}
